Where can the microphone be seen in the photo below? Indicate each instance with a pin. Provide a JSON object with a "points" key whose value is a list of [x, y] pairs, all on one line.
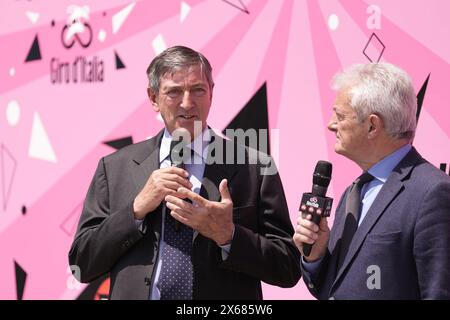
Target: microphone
{"points": [[177, 159], [315, 202]]}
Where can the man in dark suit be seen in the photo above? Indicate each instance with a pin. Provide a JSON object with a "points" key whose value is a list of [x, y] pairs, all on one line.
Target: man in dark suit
{"points": [[391, 233], [205, 229]]}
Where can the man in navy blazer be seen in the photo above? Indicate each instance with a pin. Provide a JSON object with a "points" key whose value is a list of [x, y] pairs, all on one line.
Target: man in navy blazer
{"points": [[401, 246]]}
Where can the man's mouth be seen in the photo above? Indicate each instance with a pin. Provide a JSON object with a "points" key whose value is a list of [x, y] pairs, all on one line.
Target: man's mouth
{"points": [[187, 117]]}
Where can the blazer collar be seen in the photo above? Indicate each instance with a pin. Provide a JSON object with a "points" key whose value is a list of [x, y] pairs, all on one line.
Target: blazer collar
{"points": [[152, 144]]}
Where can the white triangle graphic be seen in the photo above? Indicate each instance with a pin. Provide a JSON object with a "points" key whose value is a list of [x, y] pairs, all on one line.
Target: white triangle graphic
{"points": [[119, 18], [40, 147], [159, 45], [32, 16], [184, 11]]}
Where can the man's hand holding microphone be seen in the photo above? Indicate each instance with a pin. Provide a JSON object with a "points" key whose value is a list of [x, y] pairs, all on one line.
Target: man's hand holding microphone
{"points": [[312, 232]]}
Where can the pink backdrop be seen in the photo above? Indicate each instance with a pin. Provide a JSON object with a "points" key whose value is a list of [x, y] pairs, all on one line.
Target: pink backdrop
{"points": [[52, 132]]}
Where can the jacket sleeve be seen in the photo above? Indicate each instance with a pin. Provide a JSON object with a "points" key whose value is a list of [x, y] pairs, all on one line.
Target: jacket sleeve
{"points": [[431, 246], [102, 236], [269, 254]]}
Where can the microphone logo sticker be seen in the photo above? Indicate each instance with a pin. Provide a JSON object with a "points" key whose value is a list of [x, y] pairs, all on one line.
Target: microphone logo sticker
{"points": [[312, 202]]}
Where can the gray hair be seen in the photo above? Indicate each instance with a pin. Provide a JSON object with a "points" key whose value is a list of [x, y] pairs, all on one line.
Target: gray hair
{"points": [[172, 60], [382, 89]]}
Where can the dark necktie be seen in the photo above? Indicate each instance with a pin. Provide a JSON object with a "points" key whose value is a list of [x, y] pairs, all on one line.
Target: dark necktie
{"points": [[352, 211], [176, 270]]}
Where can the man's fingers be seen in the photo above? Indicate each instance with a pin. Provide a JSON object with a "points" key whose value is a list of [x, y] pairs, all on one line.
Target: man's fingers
{"points": [[172, 185], [306, 216], [176, 178], [323, 225], [308, 224], [174, 193], [179, 215], [193, 196], [179, 203], [307, 233], [224, 192], [303, 239], [176, 170]]}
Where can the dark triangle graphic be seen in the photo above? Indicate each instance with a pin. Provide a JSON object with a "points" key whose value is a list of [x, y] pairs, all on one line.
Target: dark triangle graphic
{"points": [[254, 115], [35, 51], [119, 143], [119, 63], [21, 277], [421, 96], [242, 7]]}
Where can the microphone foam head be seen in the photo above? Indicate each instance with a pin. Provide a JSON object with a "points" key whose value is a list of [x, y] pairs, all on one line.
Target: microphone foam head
{"points": [[323, 168], [321, 177]]}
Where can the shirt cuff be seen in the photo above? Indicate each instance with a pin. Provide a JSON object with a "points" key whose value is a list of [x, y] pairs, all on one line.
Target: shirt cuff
{"points": [[311, 267], [139, 224], [227, 247]]}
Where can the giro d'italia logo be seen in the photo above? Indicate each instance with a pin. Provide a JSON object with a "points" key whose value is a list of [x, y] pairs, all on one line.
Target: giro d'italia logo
{"points": [[78, 30], [77, 34]]}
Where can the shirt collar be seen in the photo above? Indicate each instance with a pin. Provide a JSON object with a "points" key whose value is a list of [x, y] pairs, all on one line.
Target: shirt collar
{"points": [[382, 169], [199, 144]]}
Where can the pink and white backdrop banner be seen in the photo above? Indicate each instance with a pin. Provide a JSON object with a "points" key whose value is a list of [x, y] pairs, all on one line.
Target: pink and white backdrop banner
{"points": [[73, 89]]}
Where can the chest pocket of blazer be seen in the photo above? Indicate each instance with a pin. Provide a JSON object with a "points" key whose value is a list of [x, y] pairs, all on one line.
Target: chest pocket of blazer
{"points": [[246, 216], [384, 238]]}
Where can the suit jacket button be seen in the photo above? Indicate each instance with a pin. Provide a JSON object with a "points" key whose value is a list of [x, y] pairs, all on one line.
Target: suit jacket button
{"points": [[310, 285], [147, 281], [126, 244]]}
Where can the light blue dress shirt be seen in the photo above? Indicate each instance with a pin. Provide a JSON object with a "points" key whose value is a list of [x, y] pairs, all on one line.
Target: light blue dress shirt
{"points": [[381, 172]]}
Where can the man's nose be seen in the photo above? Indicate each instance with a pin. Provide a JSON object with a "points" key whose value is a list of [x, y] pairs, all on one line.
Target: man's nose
{"points": [[332, 124], [187, 102]]}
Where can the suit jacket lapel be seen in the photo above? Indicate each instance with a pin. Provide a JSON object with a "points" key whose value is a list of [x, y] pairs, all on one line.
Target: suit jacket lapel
{"points": [[147, 161], [387, 194]]}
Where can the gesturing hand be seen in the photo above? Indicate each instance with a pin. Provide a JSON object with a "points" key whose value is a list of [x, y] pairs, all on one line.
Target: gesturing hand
{"points": [[212, 219], [160, 183]]}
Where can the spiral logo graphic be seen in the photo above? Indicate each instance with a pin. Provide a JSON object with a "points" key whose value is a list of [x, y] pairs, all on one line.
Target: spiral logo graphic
{"points": [[77, 29]]}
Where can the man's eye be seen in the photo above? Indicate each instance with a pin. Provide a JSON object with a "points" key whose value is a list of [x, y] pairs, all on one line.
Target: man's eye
{"points": [[173, 93], [199, 91], [339, 117]]}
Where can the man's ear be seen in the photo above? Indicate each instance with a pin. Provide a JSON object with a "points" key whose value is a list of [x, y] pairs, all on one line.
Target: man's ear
{"points": [[153, 99], [375, 126]]}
